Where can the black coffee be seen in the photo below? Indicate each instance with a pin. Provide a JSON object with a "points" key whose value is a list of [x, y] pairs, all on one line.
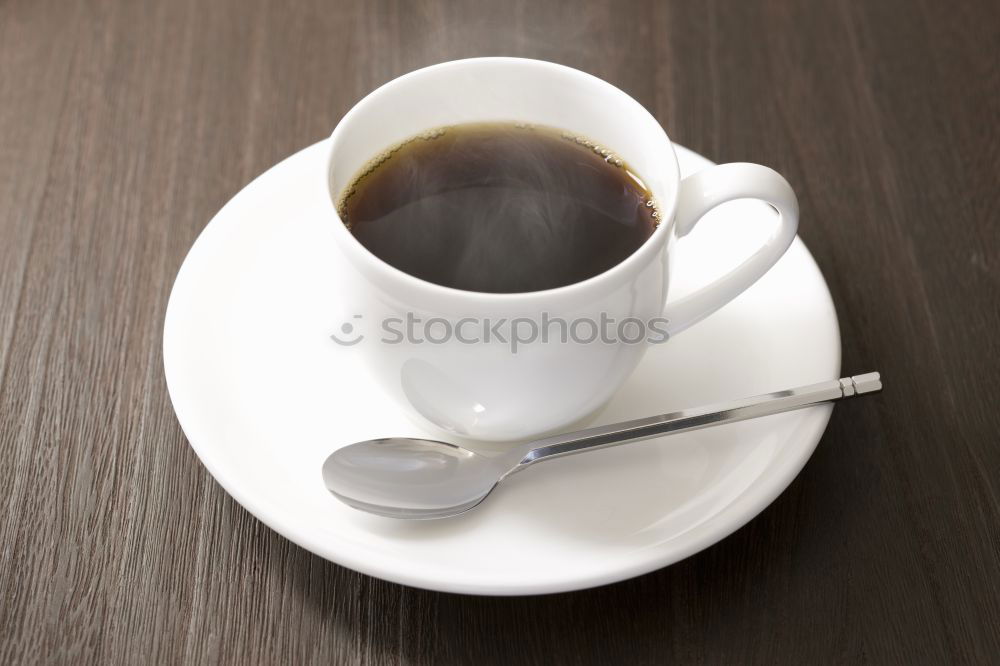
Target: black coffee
{"points": [[499, 207]]}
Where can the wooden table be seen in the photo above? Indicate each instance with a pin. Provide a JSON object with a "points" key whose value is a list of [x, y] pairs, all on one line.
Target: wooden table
{"points": [[125, 125]]}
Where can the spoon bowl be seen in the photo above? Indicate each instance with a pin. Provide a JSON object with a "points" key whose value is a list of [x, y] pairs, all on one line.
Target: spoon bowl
{"points": [[400, 477]]}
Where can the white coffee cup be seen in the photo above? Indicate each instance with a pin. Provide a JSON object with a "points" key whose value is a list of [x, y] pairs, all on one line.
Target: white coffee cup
{"points": [[486, 389]]}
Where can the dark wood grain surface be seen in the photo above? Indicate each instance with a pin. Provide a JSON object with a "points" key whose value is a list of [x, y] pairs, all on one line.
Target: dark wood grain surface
{"points": [[124, 126]]}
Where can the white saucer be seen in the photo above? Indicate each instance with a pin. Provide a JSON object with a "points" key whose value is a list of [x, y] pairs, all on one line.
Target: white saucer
{"points": [[263, 396]]}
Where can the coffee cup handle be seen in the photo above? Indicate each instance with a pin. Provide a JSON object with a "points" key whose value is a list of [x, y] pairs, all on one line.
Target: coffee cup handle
{"points": [[703, 191]]}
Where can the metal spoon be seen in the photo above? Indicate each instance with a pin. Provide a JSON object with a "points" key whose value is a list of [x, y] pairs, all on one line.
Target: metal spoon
{"points": [[400, 477]]}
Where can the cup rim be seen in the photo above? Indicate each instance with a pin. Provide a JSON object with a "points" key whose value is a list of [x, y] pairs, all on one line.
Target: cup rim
{"points": [[612, 276]]}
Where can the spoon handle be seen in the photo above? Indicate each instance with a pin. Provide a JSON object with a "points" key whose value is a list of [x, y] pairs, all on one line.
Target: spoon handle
{"points": [[697, 418]]}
